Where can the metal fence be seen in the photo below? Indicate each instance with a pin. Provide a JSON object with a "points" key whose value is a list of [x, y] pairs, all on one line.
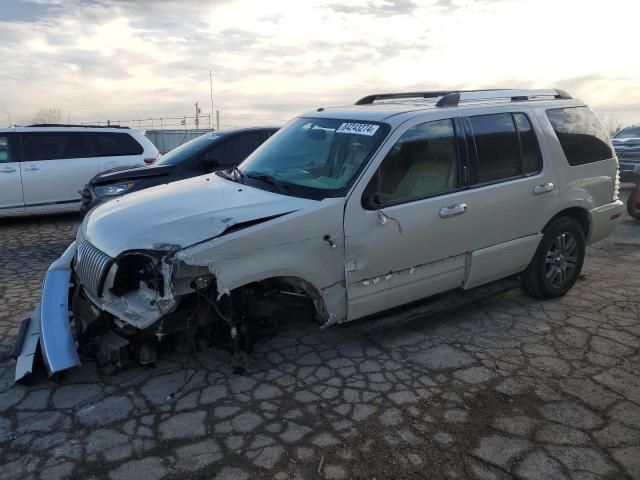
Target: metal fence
{"points": [[168, 139], [203, 121]]}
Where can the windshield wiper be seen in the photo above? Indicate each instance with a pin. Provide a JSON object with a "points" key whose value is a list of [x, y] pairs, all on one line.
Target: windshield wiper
{"points": [[266, 178]]}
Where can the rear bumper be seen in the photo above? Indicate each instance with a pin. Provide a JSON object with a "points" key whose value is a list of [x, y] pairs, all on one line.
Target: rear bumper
{"points": [[49, 325], [604, 220]]}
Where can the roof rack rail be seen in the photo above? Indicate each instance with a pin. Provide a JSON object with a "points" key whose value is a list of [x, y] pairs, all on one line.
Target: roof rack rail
{"points": [[73, 125], [369, 99], [452, 98]]}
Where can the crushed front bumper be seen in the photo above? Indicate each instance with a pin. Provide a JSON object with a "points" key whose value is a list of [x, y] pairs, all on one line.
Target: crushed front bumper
{"points": [[49, 326]]}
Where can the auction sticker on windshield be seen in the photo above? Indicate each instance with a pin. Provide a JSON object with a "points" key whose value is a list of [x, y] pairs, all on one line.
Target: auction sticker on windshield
{"points": [[358, 128]]}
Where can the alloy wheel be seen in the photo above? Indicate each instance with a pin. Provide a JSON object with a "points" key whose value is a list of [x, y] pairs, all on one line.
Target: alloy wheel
{"points": [[561, 260]]}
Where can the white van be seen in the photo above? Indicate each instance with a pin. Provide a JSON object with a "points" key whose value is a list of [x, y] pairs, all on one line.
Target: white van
{"points": [[43, 167]]}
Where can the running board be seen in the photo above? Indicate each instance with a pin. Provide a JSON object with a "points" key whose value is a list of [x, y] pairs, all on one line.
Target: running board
{"points": [[423, 309]]}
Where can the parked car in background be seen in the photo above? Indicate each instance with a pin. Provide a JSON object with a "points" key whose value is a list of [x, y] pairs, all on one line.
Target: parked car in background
{"points": [[348, 212], [44, 167], [204, 154], [627, 145]]}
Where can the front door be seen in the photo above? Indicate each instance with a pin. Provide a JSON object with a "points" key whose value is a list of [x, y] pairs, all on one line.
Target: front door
{"points": [[408, 229], [10, 184]]}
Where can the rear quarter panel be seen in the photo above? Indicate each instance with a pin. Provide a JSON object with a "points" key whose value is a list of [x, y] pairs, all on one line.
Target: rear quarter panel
{"points": [[586, 186]]}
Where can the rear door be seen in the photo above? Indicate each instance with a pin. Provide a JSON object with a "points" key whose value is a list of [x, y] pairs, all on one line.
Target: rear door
{"points": [[11, 200], [56, 166], [511, 192], [116, 149]]}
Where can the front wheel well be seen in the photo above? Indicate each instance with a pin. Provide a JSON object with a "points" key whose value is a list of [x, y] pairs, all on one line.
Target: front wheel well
{"points": [[291, 287], [578, 214]]}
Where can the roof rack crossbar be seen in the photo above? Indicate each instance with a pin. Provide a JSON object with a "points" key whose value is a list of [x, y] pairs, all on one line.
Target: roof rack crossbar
{"points": [[451, 98]]}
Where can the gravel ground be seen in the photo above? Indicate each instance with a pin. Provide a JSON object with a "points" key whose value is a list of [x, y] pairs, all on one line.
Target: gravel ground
{"points": [[509, 387]]}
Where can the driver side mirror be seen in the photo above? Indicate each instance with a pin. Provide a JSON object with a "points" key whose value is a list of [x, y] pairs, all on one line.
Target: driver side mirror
{"points": [[371, 202]]}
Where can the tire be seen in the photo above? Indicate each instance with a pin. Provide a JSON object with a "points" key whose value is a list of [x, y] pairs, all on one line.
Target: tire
{"points": [[633, 202], [558, 261]]}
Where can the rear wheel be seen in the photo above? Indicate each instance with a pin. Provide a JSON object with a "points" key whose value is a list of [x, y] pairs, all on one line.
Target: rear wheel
{"points": [[558, 261], [633, 202]]}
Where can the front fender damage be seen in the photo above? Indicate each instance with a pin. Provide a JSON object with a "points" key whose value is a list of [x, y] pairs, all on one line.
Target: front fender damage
{"points": [[202, 291]]}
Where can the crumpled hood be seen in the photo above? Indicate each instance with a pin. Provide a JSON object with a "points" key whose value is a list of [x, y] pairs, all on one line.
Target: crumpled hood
{"points": [[179, 214]]}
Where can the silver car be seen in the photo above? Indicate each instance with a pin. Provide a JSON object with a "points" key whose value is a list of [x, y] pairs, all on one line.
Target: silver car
{"points": [[348, 212]]}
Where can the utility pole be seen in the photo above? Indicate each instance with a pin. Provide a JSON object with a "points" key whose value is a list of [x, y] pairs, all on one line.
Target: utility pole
{"points": [[198, 111], [211, 96]]}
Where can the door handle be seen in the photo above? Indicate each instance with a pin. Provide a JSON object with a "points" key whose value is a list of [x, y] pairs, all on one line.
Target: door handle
{"points": [[30, 168], [544, 188], [453, 210], [8, 170]]}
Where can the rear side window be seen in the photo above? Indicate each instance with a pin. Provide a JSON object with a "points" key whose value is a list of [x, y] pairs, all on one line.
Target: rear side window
{"points": [[506, 147], [111, 144], [55, 145], [582, 136], [5, 154]]}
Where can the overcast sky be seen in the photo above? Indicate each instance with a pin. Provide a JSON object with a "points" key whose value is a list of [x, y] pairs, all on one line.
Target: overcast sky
{"points": [[273, 59]]}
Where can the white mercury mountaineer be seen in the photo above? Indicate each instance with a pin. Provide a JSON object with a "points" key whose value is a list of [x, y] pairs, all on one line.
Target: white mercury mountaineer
{"points": [[352, 211]]}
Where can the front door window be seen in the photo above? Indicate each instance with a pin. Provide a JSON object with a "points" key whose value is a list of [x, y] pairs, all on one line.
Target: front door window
{"points": [[423, 163]]}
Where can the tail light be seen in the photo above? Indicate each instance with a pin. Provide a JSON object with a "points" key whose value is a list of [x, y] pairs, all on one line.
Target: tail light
{"points": [[149, 161], [616, 187]]}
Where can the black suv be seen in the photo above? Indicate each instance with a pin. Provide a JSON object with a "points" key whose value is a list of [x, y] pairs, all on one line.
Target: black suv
{"points": [[204, 154]]}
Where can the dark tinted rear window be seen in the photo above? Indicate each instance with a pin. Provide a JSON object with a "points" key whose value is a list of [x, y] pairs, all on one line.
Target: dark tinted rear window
{"points": [[582, 136], [55, 145], [497, 147], [111, 144]]}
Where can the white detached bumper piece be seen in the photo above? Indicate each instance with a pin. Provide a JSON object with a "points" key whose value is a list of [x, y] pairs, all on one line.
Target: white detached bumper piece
{"points": [[49, 325]]}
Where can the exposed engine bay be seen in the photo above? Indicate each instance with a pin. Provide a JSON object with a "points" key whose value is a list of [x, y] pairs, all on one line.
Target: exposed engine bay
{"points": [[143, 314]]}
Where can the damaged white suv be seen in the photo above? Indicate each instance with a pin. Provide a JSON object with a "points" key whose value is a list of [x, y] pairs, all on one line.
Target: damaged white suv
{"points": [[349, 211]]}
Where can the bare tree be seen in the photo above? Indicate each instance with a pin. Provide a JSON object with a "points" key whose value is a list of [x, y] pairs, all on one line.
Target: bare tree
{"points": [[48, 115], [611, 123]]}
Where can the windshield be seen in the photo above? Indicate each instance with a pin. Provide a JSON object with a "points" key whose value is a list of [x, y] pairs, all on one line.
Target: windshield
{"points": [[187, 150], [630, 132], [314, 157]]}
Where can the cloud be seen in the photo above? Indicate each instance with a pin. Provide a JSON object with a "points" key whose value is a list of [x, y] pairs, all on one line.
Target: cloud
{"points": [[271, 60], [379, 8]]}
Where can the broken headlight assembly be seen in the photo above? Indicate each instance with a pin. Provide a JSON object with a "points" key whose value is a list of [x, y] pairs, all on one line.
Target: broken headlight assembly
{"points": [[135, 271]]}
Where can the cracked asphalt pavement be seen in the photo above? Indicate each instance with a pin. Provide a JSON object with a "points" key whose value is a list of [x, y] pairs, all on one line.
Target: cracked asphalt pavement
{"points": [[508, 387]]}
